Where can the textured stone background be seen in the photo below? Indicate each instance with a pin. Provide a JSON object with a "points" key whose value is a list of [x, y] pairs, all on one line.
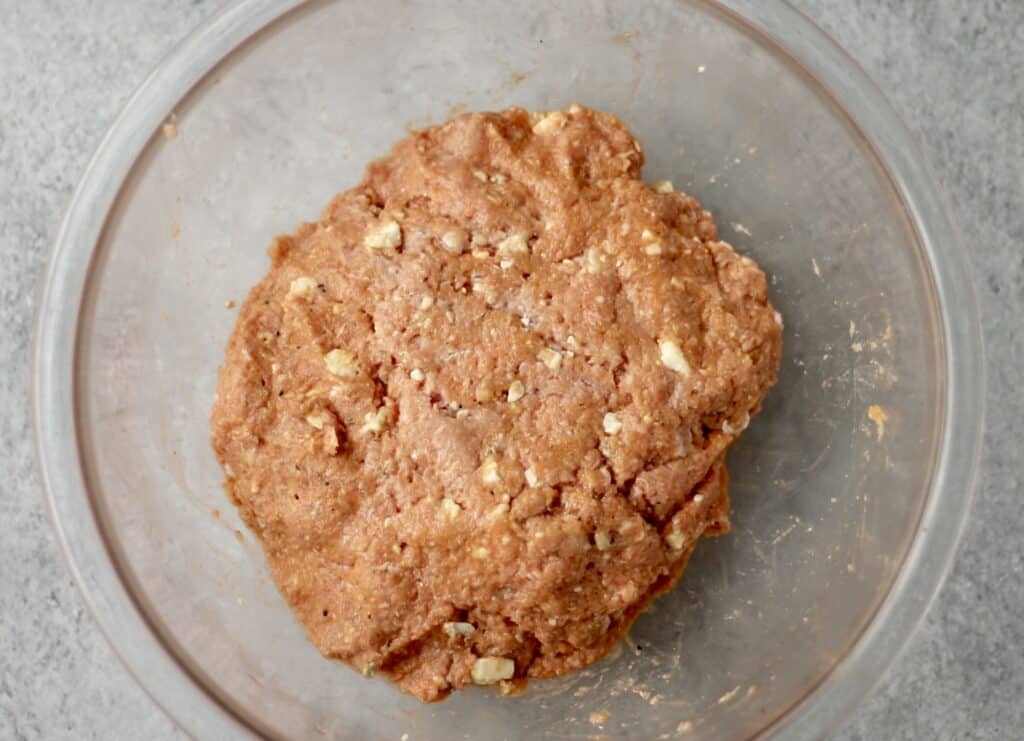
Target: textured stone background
{"points": [[952, 67]]}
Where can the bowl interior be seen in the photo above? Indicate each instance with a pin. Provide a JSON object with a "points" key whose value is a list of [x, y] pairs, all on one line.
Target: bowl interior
{"points": [[828, 483]]}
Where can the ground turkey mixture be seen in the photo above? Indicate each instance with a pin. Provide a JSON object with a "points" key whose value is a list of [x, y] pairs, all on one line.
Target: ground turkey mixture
{"points": [[477, 413]]}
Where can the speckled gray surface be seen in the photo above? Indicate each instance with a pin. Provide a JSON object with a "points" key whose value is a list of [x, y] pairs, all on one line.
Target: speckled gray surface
{"points": [[952, 68]]}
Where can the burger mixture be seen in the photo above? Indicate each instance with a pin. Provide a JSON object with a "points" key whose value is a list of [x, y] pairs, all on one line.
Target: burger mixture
{"points": [[477, 413]]}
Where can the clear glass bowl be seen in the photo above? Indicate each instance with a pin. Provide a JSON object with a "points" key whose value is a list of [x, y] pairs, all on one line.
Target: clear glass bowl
{"points": [[850, 490]]}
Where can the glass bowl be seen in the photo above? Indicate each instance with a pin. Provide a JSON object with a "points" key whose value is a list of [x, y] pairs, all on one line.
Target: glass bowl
{"points": [[850, 489]]}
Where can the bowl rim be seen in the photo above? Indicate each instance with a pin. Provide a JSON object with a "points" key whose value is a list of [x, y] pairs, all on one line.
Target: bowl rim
{"points": [[91, 562]]}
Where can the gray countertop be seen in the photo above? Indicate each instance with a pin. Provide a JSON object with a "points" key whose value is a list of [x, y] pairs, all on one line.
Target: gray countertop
{"points": [[952, 67]]}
